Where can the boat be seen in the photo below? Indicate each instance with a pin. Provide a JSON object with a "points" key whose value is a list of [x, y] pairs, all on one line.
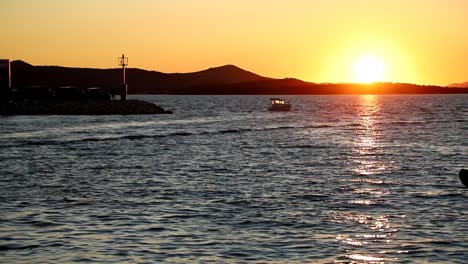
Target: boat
{"points": [[278, 104]]}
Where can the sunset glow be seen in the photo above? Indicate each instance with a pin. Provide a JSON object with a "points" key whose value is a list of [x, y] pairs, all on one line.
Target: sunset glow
{"points": [[368, 69], [418, 41]]}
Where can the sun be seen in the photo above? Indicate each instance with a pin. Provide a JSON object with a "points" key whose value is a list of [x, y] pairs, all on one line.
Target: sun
{"points": [[369, 69]]}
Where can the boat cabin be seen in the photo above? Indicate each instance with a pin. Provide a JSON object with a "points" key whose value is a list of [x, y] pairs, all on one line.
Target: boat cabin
{"points": [[275, 101], [278, 104]]}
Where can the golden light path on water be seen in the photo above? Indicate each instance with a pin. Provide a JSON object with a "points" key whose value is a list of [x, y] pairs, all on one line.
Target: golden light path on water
{"points": [[368, 146], [372, 227]]}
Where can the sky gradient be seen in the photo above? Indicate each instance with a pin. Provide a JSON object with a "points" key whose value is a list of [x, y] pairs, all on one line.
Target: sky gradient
{"points": [[417, 41]]}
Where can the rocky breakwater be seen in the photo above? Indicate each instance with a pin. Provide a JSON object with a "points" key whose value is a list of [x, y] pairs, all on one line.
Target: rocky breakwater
{"points": [[98, 107]]}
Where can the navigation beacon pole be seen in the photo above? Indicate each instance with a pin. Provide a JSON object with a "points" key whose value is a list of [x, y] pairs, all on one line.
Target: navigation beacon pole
{"points": [[123, 61]]}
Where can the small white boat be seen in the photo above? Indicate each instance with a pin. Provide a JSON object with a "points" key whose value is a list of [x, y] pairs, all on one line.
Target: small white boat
{"points": [[278, 104]]}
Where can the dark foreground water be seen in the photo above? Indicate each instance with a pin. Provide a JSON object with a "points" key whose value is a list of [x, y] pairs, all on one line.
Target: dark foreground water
{"points": [[340, 179]]}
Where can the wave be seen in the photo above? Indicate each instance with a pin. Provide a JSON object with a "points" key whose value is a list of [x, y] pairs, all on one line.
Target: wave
{"points": [[41, 142], [305, 147], [417, 122], [17, 247]]}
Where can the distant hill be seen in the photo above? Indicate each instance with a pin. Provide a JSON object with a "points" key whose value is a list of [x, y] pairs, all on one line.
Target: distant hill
{"points": [[24, 75], [293, 86], [140, 81], [459, 85], [227, 79]]}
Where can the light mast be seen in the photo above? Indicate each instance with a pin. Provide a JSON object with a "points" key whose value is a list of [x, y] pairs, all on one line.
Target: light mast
{"points": [[123, 61]]}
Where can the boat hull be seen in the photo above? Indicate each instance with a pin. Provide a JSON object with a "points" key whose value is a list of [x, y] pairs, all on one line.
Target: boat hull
{"points": [[280, 107]]}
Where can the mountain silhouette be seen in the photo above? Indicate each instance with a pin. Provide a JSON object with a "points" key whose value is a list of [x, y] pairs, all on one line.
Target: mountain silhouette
{"points": [[459, 85], [227, 79], [140, 81]]}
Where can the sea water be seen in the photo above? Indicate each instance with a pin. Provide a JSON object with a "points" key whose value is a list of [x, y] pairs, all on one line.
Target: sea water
{"points": [[339, 179]]}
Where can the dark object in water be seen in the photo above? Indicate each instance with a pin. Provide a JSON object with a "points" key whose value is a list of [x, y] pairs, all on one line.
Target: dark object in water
{"points": [[463, 174], [92, 107]]}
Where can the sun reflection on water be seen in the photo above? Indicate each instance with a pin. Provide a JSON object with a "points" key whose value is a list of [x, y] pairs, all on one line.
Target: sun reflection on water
{"points": [[368, 151], [367, 227], [367, 259]]}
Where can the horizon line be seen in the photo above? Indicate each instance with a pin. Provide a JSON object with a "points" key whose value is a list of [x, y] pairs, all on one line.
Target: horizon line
{"points": [[233, 65]]}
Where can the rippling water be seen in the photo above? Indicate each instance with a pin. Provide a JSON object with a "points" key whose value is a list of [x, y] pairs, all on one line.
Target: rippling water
{"points": [[340, 179]]}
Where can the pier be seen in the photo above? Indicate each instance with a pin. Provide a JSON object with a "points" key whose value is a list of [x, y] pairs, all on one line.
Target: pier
{"points": [[69, 100]]}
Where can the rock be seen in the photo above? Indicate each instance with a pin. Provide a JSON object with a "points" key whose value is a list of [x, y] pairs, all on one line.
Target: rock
{"points": [[463, 174], [96, 107]]}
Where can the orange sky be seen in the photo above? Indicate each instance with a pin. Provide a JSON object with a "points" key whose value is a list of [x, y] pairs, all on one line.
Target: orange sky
{"points": [[418, 41]]}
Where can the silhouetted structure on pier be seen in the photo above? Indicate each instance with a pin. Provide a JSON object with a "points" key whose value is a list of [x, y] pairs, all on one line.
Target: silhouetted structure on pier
{"points": [[123, 61], [5, 80]]}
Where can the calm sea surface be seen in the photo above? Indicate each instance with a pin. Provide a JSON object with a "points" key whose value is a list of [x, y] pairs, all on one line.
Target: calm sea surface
{"points": [[340, 179]]}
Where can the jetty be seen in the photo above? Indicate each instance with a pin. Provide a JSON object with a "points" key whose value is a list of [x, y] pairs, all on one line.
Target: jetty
{"points": [[96, 107], [70, 100]]}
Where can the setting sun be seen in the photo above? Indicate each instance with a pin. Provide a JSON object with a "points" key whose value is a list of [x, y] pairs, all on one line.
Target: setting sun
{"points": [[368, 69]]}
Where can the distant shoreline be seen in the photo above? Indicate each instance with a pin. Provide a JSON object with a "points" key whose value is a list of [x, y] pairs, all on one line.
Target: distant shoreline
{"points": [[224, 80], [299, 94]]}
